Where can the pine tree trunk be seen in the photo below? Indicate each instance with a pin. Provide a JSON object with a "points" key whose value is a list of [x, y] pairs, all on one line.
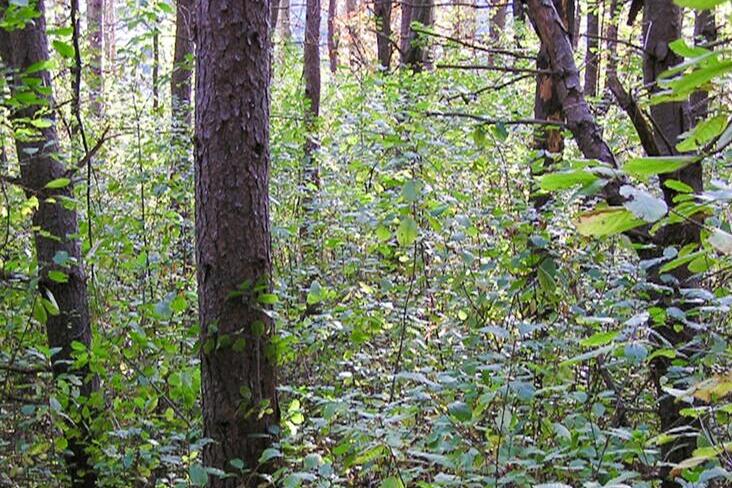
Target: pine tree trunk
{"points": [[591, 55], [285, 30], [382, 10], [332, 36], [110, 46], [180, 82], [95, 35], [417, 53], [311, 74], [54, 224], [233, 247]]}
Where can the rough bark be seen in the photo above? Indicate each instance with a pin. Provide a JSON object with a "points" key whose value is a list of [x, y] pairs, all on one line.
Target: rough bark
{"points": [[355, 55], [332, 36], [180, 81], [55, 227], [705, 32], [417, 53], [95, 36], [274, 16], [498, 21], [612, 39], [382, 11], [311, 74], [285, 30], [404, 29], [662, 23], [549, 141], [109, 28], [592, 66], [238, 370]]}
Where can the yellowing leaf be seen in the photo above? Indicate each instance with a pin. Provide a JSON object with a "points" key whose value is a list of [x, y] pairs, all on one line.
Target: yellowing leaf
{"points": [[607, 221]]}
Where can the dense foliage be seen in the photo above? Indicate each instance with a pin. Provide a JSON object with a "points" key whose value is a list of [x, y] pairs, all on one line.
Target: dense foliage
{"points": [[434, 327]]}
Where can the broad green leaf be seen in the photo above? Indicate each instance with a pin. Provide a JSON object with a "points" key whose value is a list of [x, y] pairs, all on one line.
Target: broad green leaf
{"points": [[58, 183], [721, 240], [644, 168], [600, 339], [704, 132], [407, 231], [198, 475], [461, 411], [566, 179], [643, 204], [269, 454], [699, 4], [698, 78], [391, 482], [63, 48], [607, 221], [58, 276], [680, 47], [588, 355]]}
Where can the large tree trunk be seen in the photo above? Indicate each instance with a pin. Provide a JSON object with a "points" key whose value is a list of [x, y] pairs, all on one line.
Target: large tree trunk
{"points": [[180, 81], [95, 36], [311, 74], [332, 36], [404, 28], [417, 53], [285, 30], [54, 225], [591, 55], [382, 10], [109, 28], [233, 248], [705, 32]]}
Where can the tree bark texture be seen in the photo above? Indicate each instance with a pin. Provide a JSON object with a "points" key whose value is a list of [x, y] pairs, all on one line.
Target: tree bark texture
{"points": [[311, 74], [705, 32], [109, 38], [156, 68], [592, 65], [417, 53], [382, 11], [404, 28], [95, 36], [274, 16], [180, 81], [285, 30], [56, 227], [332, 36], [233, 248]]}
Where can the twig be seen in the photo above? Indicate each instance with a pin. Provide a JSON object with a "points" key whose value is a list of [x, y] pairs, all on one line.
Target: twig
{"points": [[488, 120]]}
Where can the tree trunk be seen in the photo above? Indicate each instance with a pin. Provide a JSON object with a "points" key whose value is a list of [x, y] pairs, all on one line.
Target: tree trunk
{"points": [[497, 25], [54, 224], [417, 53], [156, 68], [354, 49], [404, 29], [332, 36], [311, 74], [382, 10], [662, 23], [576, 26], [285, 30], [612, 39], [180, 81], [591, 56], [548, 140], [705, 32], [238, 369], [110, 46], [95, 34], [274, 16]]}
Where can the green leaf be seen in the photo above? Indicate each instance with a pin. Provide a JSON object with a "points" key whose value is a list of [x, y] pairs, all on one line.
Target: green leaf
{"points": [[607, 221], [407, 232], [461, 411], [63, 48], [268, 298], [704, 132], [699, 4], [198, 475], [588, 355], [566, 179], [680, 47], [269, 454], [391, 482], [315, 293], [721, 241], [39, 312], [699, 77], [600, 339], [644, 168], [678, 186], [237, 463], [58, 276], [410, 190], [58, 183], [643, 204], [178, 304]]}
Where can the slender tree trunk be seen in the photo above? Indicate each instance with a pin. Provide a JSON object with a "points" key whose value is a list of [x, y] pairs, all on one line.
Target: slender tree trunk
{"points": [[354, 53], [156, 68], [285, 30], [612, 39], [332, 36], [55, 225], [311, 74], [233, 247], [404, 29], [576, 27], [274, 17], [705, 32], [518, 14], [591, 55], [497, 25], [110, 46], [382, 10], [180, 82], [95, 35], [417, 53], [662, 23]]}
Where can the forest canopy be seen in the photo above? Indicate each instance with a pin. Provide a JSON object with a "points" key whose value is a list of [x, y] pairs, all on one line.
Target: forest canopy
{"points": [[379, 243]]}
